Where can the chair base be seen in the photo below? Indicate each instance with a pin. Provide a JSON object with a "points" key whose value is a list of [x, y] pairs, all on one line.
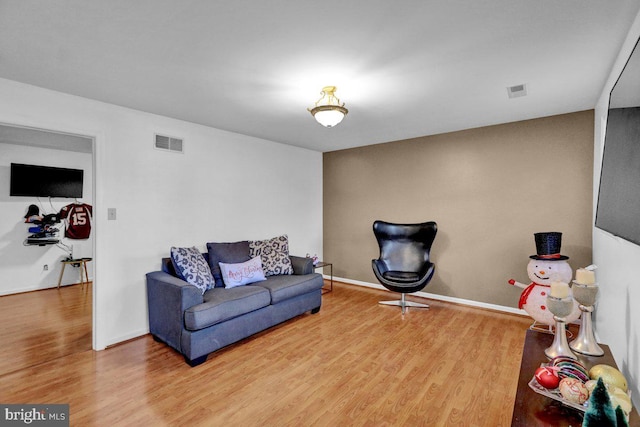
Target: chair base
{"points": [[402, 302]]}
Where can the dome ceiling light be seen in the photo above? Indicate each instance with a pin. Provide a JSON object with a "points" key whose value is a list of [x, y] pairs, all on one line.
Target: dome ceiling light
{"points": [[328, 110]]}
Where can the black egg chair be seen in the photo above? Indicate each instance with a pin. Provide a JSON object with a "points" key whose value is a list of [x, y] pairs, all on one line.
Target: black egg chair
{"points": [[404, 265]]}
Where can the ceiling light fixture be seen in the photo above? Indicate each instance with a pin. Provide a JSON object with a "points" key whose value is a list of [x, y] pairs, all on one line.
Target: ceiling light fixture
{"points": [[328, 110]]}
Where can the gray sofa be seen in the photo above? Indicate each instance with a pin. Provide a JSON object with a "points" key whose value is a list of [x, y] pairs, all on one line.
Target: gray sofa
{"points": [[197, 324]]}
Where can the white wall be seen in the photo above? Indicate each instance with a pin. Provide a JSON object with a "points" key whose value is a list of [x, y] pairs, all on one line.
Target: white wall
{"points": [[617, 319], [22, 267], [224, 187]]}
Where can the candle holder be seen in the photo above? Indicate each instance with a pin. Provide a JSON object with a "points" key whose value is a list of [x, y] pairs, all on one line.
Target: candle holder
{"points": [[561, 308], [585, 342]]}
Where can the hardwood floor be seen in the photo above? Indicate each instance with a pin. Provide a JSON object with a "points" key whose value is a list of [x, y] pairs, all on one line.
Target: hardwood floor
{"points": [[43, 325], [355, 363]]}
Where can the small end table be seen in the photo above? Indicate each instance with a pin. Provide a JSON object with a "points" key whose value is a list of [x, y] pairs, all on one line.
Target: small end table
{"points": [[80, 262], [322, 264]]}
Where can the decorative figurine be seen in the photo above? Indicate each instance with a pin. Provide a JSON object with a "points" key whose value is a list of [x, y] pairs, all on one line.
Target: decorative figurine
{"points": [[600, 412], [545, 267], [314, 259]]}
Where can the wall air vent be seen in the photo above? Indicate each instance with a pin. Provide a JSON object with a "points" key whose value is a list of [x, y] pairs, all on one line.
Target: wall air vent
{"points": [[168, 143], [517, 91]]}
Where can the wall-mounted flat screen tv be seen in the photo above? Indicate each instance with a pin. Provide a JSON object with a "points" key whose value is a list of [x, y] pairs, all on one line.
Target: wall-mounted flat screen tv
{"points": [[45, 181], [618, 209]]}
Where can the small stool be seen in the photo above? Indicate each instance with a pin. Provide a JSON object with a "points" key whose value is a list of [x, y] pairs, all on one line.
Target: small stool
{"points": [[83, 266]]}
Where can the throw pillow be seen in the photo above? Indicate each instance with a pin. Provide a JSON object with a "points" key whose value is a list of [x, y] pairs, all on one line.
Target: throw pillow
{"points": [[274, 254], [229, 253], [243, 273], [191, 267]]}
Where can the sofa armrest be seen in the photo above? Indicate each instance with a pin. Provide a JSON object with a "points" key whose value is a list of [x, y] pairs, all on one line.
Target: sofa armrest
{"points": [[168, 297], [301, 265]]}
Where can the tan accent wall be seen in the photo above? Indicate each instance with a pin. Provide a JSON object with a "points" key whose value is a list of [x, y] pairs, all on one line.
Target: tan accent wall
{"points": [[489, 189]]}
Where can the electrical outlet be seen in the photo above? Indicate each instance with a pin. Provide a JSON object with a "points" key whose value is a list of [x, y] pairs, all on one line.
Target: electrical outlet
{"points": [[111, 214], [45, 267]]}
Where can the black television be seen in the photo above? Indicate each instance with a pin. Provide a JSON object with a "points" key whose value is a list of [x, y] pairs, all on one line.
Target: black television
{"points": [[45, 181], [618, 209]]}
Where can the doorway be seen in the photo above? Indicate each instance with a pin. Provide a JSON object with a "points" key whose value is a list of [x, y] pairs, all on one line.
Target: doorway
{"points": [[49, 322]]}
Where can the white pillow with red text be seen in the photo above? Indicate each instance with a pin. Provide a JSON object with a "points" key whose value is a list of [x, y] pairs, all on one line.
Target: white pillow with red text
{"points": [[242, 274]]}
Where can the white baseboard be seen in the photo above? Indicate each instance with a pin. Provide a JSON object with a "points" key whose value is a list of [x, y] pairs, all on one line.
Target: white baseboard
{"points": [[21, 290], [34, 288], [462, 301], [123, 338]]}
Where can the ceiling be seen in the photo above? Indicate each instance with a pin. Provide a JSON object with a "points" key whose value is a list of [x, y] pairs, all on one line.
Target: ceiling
{"points": [[626, 92], [403, 68]]}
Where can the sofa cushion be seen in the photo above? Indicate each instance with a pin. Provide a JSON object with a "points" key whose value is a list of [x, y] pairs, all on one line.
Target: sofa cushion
{"points": [[242, 274], [230, 253], [284, 287], [191, 267], [274, 254], [224, 304]]}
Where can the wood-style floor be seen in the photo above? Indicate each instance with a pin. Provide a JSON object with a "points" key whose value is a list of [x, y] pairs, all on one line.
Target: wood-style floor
{"points": [[43, 325], [356, 363]]}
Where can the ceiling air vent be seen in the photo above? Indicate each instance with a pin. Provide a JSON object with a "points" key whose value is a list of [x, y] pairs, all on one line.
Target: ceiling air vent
{"points": [[517, 91], [168, 143]]}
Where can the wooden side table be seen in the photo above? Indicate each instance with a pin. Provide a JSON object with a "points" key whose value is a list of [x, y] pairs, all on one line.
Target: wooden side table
{"points": [[322, 264], [532, 409], [83, 268]]}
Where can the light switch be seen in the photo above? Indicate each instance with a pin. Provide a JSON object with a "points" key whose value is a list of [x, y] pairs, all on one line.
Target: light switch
{"points": [[111, 214]]}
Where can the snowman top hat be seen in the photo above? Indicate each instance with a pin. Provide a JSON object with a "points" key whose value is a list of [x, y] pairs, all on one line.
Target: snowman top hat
{"points": [[548, 246]]}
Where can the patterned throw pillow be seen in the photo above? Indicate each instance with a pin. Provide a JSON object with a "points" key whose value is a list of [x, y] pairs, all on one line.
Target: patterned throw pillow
{"points": [[243, 273], [191, 267], [274, 254]]}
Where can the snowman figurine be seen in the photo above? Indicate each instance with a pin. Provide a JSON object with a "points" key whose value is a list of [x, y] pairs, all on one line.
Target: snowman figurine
{"points": [[545, 267]]}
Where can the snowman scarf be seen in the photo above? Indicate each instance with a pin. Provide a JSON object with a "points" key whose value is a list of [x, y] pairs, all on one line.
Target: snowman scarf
{"points": [[525, 294]]}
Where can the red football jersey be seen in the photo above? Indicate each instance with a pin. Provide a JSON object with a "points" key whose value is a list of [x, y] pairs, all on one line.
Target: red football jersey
{"points": [[77, 217]]}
